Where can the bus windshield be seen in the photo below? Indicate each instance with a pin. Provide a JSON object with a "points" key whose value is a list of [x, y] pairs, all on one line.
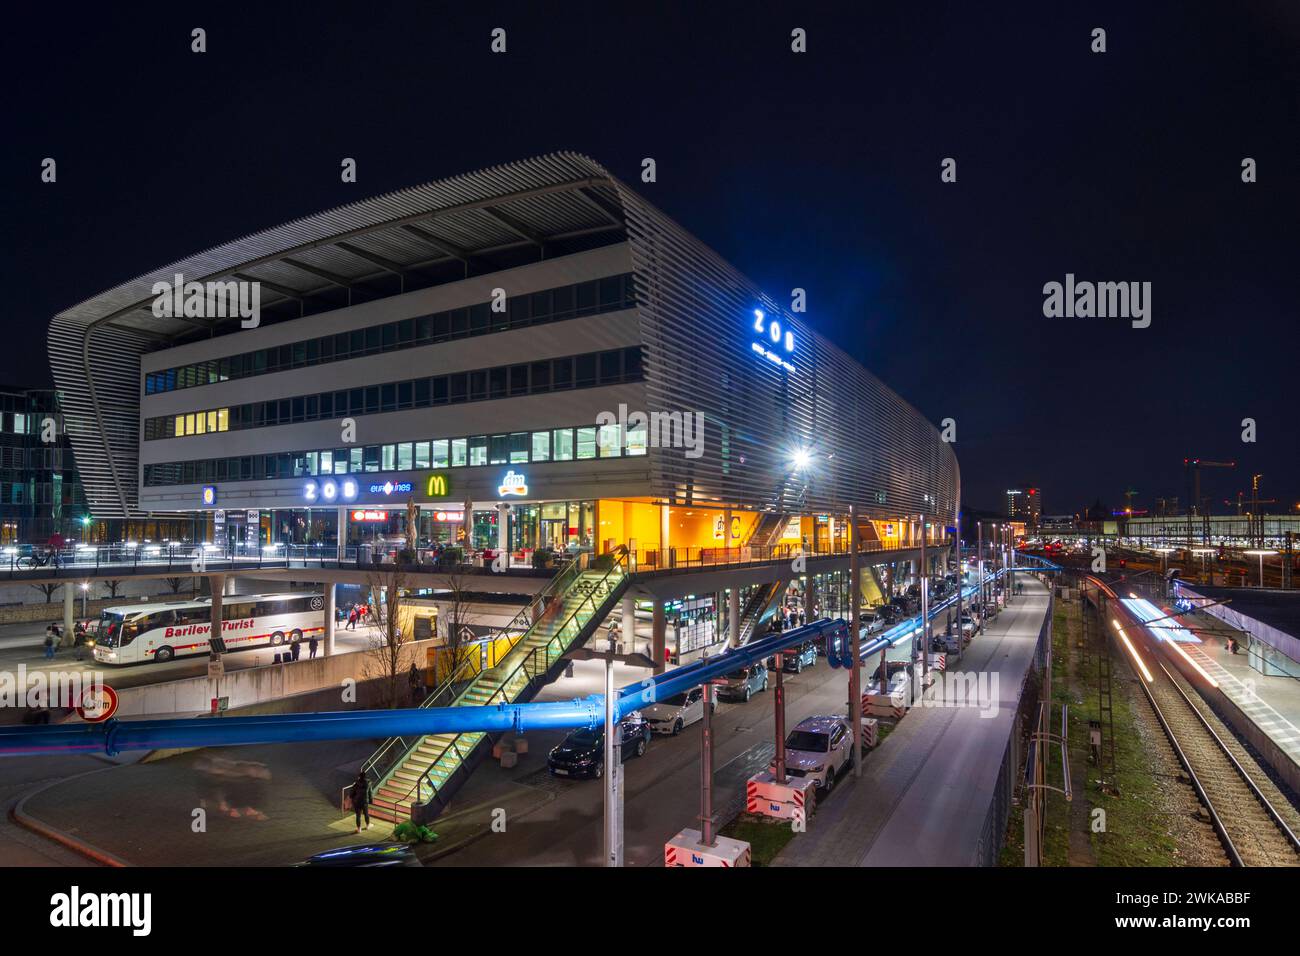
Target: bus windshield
{"points": [[110, 628]]}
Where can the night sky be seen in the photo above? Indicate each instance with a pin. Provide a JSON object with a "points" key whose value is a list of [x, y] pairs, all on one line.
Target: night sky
{"points": [[818, 170]]}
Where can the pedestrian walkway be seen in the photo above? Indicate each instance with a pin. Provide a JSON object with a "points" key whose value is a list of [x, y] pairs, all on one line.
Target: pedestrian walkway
{"points": [[1271, 703], [925, 793]]}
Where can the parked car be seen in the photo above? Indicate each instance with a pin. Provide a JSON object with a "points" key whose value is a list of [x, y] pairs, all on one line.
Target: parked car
{"points": [[365, 854], [795, 659], [582, 753], [677, 712], [889, 613], [819, 747], [872, 621], [744, 683]]}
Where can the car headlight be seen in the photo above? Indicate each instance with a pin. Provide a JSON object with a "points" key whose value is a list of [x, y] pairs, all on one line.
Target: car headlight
{"points": [[819, 768]]}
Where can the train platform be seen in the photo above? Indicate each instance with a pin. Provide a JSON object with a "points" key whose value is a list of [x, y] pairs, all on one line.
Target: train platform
{"points": [[925, 794]]}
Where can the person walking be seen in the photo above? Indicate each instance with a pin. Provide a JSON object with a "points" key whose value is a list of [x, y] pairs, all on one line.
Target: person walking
{"points": [[295, 649], [416, 681], [361, 799], [352, 618], [311, 648], [49, 642]]}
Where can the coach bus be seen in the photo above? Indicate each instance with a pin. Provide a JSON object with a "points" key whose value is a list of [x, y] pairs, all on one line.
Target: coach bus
{"points": [[130, 634]]}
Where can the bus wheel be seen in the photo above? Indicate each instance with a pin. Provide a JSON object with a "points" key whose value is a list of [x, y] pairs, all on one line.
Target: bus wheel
{"points": [[277, 639], [164, 654], [295, 636]]}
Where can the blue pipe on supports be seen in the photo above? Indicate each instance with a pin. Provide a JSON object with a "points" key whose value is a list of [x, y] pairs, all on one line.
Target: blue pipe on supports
{"points": [[114, 736]]}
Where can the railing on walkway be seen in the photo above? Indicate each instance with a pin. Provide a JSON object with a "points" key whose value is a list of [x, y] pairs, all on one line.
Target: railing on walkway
{"points": [[680, 559]]}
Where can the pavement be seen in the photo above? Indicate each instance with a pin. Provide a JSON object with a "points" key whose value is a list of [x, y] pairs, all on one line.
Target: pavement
{"points": [[924, 794]]}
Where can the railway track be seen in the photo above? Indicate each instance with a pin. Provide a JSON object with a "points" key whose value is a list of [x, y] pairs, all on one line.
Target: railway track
{"points": [[1253, 831]]}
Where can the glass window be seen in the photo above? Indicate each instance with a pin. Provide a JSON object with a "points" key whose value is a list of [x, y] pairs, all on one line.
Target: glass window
{"points": [[355, 460], [371, 457], [563, 448], [632, 363], [518, 448], [458, 387], [562, 373], [478, 450], [519, 380], [636, 439], [440, 390], [541, 374], [341, 461], [388, 458], [541, 446], [421, 454], [609, 439], [585, 371], [405, 457], [458, 452], [327, 463], [611, 366], [477, 386], [587, 442], [438, 455], [498, 449], [497, 382], [388, 394]]}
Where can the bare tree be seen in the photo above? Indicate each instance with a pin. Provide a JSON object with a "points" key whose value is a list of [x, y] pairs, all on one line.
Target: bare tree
{"points": [[48, 590], [458, 617], [112, 587], [175, 584], [384, 655]]}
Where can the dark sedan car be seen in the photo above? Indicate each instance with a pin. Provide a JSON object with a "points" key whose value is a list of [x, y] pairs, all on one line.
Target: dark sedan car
{"points": [[582, 753], [795, 659], [366, 854]]}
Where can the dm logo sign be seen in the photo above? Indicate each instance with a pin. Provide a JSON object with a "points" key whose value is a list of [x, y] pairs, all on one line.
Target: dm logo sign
{"points": [[513, 483]]}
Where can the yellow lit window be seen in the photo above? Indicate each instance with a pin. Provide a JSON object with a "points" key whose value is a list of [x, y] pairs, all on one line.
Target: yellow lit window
{"points": [[212, 421], [223, 419], [189, 425], [180, 426]]}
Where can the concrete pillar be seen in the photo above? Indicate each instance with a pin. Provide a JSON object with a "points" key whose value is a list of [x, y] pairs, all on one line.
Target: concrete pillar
{"points": [[629, 624], [658, 635], [342, 532], [855, 643], [503, 533], [69, 625], [733, 615], [217, 584], [331, 615], [467, 525], [809, 598], [726, 529], [665, 532]]}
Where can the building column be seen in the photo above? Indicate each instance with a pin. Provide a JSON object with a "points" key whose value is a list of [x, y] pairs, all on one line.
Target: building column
{"points": [[628, 627], [69, 625], [726, 528], [665, 528], [331, 614], [342, 533], [467, 525], [503, 534], [658, 634], [217, 585], [733, 615]]}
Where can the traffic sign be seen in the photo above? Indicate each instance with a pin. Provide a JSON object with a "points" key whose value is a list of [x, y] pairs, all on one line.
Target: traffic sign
{"points": [[98, 703]]}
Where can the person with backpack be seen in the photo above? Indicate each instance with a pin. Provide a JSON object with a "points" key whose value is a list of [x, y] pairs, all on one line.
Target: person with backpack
{"points": [[49, 642], [361, 799]]}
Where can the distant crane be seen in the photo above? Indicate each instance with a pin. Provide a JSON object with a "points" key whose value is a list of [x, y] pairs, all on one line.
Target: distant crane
{"points": [[1193, 467], [1129, 494]]}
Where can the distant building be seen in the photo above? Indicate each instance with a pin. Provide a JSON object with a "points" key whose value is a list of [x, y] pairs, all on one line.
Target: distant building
{"points": [[1025, 504], [1056, 523], [40, 488]]}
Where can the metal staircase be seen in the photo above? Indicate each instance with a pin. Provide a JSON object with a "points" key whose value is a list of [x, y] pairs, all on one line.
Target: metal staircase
{"points": [[753, 611], [417, 778], [766, 530]]}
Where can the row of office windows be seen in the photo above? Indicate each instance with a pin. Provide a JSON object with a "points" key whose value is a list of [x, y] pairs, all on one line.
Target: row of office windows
{"points": [[578, 443], [613, 367], [610, 294]]}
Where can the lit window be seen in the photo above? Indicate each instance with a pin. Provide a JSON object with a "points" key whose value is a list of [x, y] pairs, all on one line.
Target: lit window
{"points": [[541, 446], [180, 426], [438, 458], [608, 440], [636, 440], [587, 442], [223, 419], [563, 448], [458, 452]]}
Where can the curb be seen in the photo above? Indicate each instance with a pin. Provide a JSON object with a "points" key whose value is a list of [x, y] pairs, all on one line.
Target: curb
{"points": [[19, 816]]}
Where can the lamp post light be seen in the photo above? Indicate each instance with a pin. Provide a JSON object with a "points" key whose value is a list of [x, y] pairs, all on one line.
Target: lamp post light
{"points": [[85, 587], [1203, 552], [613, 843], [1261, 553]]}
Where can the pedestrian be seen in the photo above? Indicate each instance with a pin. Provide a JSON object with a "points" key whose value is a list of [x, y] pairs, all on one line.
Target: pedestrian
{"points": [[49, 642], [361, 799], [295, 649], [352, 618], [311, 647], [415, 680]]}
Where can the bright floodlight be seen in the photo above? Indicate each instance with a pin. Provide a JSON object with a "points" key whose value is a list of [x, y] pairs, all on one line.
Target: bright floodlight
{"points": [[802, 458], [1259, 553]]}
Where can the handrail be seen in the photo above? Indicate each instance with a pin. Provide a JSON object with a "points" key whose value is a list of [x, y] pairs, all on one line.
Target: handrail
{"points": [[619, 566]]}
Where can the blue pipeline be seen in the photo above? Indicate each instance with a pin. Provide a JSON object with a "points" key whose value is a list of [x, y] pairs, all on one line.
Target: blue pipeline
{"points": [[114, 736]]}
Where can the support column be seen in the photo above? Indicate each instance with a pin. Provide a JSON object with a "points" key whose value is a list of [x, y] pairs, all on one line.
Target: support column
{"points": [[665, 535], [331, 616], [342, 534], [925, 605], [658, 634], [467, 525], [726, 531], [217, 585], [629, 624], [733, 615], [855, 636], [503, 536], [69, 624]]}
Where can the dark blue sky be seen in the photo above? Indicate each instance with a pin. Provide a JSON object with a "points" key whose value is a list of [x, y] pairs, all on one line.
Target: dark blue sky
{"points": [[818, 170]]}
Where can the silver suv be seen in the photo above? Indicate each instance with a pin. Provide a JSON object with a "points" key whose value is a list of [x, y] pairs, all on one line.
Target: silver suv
{"points": [[819, 747]]}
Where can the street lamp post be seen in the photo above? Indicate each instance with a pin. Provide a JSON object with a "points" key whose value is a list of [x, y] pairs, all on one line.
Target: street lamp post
{"points": [[1260, 553], [613, 829]]}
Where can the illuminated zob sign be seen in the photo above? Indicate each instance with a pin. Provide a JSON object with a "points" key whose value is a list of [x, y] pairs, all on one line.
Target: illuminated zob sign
{"points": [[513, 484], [772, 332]]}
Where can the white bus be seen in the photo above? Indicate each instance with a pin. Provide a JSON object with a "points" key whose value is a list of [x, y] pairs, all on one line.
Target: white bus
{"points": [[133, 633]]}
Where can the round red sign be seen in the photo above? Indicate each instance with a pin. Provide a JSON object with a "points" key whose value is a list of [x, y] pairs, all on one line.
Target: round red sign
{"points": [[97, 704]]}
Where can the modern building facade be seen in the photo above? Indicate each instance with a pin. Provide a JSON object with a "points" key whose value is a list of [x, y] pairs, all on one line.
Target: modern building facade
{"points": [[1025, 504], [40, 490], [529, 355]]}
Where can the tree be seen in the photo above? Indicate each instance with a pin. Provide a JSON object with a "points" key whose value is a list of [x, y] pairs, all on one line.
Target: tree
{"points": [[112, 587], [175, 584], [48, 590], [458, 618], [384, 655]]}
